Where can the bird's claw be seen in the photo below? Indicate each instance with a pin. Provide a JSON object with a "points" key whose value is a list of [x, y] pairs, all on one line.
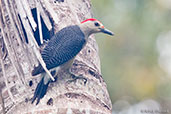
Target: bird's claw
{"points": [[75, 78]]}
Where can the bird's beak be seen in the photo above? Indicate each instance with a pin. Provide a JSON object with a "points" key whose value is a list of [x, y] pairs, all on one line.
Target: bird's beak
{"points": [[106, 31]]}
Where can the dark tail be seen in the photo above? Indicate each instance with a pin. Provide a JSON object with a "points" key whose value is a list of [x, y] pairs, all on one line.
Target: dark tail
{"points": [[40, 91]]}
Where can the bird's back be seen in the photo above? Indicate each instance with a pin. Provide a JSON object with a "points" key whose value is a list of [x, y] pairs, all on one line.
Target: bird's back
{"points": [[62, 47]]}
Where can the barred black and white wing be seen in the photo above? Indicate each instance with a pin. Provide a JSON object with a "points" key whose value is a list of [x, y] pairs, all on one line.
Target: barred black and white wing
{"points": [[62, 47]]}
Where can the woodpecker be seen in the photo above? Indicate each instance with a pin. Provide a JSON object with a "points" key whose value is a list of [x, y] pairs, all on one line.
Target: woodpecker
{"points": [[61, 50]]}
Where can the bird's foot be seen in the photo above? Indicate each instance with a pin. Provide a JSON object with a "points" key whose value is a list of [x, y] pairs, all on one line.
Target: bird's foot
{"points": [[75, 78]]}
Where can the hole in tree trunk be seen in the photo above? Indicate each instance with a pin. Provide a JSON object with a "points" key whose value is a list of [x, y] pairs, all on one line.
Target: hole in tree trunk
{"points": [[58, 1], [50, 101], [22, 26], [30, 83], [45, 32]]}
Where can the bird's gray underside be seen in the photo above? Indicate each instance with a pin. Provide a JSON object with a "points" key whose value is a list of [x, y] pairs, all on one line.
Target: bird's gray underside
{"points": [[39, 69]]}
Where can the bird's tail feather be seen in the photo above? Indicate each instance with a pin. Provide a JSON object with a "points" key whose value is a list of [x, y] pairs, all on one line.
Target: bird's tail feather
{"points": [[40, 91]]}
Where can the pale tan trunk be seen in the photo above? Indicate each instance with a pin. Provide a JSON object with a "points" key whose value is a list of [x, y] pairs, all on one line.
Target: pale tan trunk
{"points": [[17, 59]]}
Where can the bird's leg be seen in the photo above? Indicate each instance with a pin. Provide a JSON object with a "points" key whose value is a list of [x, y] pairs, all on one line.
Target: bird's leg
{"points": [[75, 78]]}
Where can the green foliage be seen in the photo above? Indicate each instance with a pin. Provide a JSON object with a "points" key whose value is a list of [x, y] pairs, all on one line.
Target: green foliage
{"points": [[130, 59]]}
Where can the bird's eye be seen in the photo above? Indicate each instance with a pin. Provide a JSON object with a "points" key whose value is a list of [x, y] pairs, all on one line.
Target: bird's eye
{"points": [[96, 24]]}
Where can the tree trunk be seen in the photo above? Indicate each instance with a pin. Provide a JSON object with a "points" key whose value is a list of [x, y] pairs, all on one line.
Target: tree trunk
{"points": [[24, 24]]}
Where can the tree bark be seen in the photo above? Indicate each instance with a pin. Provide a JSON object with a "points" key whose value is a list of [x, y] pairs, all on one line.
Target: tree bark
{"points": [[20, 52]]}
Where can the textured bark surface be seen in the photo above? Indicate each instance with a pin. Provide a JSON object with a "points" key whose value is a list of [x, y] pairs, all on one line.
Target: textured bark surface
{"points": [[18, 58]]}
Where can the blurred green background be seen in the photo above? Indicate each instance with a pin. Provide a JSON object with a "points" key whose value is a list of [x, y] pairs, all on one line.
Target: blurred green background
{"points": [[132, 62]]}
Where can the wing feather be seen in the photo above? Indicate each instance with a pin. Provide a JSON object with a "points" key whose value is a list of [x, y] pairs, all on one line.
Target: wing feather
{"points": [[66, 44]]}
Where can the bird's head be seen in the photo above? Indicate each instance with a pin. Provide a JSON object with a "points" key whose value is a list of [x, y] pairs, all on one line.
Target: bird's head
{"points": [[92, 25]]}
